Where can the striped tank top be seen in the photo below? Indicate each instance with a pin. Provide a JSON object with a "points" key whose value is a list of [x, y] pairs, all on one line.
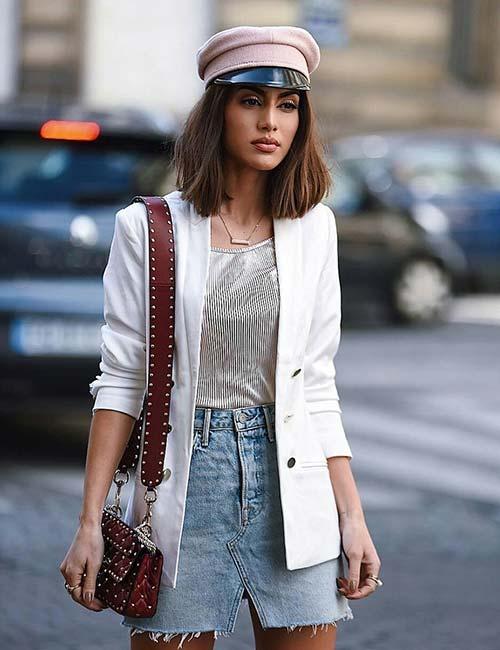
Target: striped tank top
{"points": [[239, 328]]}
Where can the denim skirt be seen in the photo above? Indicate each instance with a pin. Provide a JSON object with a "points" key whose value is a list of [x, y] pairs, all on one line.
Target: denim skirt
{"points": [[232, 544]]}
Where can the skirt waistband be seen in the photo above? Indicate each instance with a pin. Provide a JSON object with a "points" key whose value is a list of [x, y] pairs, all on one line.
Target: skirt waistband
{"points": [[239, 419]]}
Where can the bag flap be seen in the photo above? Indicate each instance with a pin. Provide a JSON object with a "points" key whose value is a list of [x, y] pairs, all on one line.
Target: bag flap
{"points": [[121, 547]]}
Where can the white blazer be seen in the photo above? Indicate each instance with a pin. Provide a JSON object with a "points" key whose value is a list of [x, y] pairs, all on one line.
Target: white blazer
{"points": [[308, 425]]}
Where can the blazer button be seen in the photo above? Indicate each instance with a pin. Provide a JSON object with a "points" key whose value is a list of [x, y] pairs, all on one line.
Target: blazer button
{"points": [[167, 473], [296, 372], [291, 462]]}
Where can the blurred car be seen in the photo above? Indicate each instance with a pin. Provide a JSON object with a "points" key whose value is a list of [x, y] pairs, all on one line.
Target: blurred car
{"points": [[446, 180], [387, 259], [64, 172]]}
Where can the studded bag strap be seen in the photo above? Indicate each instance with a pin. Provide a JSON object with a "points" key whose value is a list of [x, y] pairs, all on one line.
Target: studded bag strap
{"points": [[156, 405]]}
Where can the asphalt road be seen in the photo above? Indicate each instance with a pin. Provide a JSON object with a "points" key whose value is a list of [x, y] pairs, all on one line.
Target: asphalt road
{"points": [[421, 409]]}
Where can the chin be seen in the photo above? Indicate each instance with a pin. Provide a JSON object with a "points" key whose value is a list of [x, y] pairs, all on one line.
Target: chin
{"points": [[264, 164]]}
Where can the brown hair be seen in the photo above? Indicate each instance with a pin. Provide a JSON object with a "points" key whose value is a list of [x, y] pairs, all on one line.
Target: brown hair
{"points": [[298, 183]]}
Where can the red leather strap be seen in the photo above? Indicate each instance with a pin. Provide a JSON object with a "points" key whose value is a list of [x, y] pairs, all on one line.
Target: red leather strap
{"points": [[156, 406]]}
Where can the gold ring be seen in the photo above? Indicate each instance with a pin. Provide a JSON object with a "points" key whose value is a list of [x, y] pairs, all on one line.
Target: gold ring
{"points": [[69, 588], [376, 578]]}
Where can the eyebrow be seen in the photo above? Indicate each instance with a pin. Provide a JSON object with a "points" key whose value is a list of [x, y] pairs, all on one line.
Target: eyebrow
{"points": [[260, 92]]}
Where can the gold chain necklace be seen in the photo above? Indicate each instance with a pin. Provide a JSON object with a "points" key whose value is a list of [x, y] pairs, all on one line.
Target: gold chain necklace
{"points": [[238, 240]]}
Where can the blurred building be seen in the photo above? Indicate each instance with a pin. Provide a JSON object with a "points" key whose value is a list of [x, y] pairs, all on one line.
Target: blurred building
{"points": [[104, 52], [405, 63], [9, 40]]}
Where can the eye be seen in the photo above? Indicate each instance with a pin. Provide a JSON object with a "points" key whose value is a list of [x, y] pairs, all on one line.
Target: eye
{"points": [[250, 99], [288, 104]]}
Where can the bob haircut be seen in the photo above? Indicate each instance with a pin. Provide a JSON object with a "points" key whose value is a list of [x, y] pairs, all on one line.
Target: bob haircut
{"points": [[298, 183]]}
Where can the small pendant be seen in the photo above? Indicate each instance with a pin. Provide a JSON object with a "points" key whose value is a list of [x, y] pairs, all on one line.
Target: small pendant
{"points": [[235, 240]]}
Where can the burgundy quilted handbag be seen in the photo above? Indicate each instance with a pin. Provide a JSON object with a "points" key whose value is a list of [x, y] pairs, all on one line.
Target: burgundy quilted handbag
{"points": [[128, 580]]}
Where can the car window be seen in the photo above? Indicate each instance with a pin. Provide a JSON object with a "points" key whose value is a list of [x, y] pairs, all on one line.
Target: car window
{"points": [[433, 168], [348, 190], [32, 169], [486, 157]]}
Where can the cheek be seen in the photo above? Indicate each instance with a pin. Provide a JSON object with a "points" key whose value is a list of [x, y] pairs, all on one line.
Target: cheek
{"points": [[236, 128], [290, 129]]}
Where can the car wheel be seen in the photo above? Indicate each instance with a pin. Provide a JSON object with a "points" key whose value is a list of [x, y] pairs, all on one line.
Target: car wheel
{"points": [[421, 292]]}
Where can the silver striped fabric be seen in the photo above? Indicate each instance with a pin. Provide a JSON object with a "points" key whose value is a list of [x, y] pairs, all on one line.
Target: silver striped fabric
{"points": [[240, 328]]}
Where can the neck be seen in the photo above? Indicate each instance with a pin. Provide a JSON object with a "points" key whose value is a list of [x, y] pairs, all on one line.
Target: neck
{"points": [[247, 187]]}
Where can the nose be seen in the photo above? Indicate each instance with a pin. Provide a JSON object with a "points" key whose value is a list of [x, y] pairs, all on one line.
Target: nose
{"points": [[267, 119]]}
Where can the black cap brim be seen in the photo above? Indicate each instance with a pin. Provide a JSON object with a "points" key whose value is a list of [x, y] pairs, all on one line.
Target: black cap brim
{"points": [[274, 76]]}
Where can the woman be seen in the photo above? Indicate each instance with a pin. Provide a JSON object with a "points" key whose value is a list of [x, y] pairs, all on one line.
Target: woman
{"points": [[258, 498]]}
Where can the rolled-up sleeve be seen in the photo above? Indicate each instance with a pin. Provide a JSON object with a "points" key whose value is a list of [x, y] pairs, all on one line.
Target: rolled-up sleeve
{"points": [[122, 383], [321, 393]]}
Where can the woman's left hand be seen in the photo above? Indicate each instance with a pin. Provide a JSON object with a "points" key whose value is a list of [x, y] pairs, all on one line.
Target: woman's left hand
{"points": [[362, 557]]}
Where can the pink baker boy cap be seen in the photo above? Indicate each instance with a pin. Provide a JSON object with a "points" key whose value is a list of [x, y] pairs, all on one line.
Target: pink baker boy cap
{"points": [[247, 48]]}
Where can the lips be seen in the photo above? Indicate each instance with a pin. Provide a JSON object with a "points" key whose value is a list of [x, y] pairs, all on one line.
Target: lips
{"points": [[266, 141], [266, 148]]}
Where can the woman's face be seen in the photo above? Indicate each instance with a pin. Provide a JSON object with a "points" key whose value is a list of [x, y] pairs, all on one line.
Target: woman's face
{"points": [[255, 112]]}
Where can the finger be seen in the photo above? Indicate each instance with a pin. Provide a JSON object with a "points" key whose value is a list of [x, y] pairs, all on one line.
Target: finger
{"points": [[367, 589], [72, 578], [361, 592], [343, 587], [343, 584], [346, 593], [95, 604], [371, 568], [89, 582], [354, 571], [77, 595], [100, 603]]}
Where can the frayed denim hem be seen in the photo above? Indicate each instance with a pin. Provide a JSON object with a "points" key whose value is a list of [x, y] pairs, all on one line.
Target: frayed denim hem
{"points": [[167, 636], [347, 617]]}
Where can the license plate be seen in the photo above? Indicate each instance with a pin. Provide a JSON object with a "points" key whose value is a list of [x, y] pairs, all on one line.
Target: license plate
{"points": [[55, 337]]}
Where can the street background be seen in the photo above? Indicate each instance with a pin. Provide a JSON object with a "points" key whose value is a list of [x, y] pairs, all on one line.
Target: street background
{"points": [[420, 400], [426, 456]]}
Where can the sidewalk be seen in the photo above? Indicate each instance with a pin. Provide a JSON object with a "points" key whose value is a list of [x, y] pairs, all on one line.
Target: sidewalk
{"points": [[440, 560]]}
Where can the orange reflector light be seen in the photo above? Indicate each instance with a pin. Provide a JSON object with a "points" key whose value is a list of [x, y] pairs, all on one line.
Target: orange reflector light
{"points": [[70, 130]]}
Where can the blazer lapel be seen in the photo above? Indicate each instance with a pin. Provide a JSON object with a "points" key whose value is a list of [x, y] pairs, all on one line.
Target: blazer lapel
{"points": [[288, 247], [196, 251]]}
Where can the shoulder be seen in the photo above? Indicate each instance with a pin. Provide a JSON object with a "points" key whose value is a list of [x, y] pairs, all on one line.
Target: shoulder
{"points": [[319, 224], [131, 219]]}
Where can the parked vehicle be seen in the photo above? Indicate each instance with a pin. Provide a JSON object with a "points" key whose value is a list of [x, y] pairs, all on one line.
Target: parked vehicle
{"points": [[446, 180], [64, 172], [386, 257]]}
